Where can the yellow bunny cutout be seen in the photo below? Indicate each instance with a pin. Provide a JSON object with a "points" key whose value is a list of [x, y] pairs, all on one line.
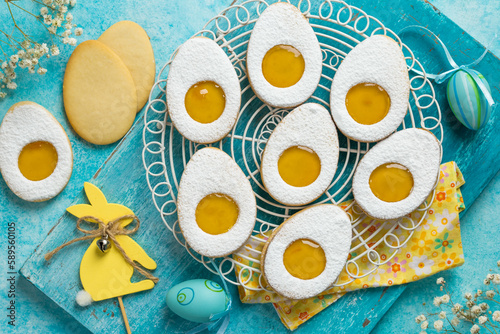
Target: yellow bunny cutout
{"points": [[107, 275]]}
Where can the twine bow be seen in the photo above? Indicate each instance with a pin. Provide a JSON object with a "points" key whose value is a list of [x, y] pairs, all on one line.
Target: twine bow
{"points": [[109, 230], [442, 77]]}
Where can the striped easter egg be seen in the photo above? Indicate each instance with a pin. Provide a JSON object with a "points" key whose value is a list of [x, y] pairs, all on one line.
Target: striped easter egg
{"points": [[467, 101]]}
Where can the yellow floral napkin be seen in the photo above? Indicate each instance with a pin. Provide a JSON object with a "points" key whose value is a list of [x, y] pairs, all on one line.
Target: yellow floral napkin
{"points": [[432, 247]]}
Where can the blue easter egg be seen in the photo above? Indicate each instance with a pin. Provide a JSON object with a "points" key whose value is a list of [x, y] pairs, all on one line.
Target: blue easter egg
{"points": [[196, 300], [466, 100]]}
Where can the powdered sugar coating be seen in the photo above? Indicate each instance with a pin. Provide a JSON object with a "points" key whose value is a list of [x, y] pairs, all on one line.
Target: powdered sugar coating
{"points": [[210, 171], [378, 59], [416, 149], [201, 59], [308, 125], [25, 123], [283, 23], [330, 227]]}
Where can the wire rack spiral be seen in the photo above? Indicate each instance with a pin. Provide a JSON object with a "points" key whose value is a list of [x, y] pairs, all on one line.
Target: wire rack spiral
{"points": [[339, 27]]}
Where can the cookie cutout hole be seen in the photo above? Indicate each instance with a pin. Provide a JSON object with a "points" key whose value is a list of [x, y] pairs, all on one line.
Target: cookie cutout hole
{"points": [[205, 102], [283, 66], [299, 166], [391, 182], [367, 103], [37, 160], [216, 214], [304, 259]]}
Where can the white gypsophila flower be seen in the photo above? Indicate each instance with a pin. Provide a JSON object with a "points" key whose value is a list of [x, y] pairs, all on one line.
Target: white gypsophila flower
{"points": [[12, 64], [482, 319], [476, 309], [470, 303], [69, 17], [68, 26], [54, 50], [486, 281], [484, 306], [63, 9], [496, 316], [65, 40], [12, 85], [12, 75], [14, 58], [445, 299], [47, 2], [419, 319], [66, 33], [498, 263], [442, 315], [437, 301], [489, 277], [438, 325], [4, 65], [31, 69], [479, 292], [496, 279], [474, 329], [2, 95], [34, 61], [72, 3], [47, 19], [53, 29], [78, 31], [440, 280], [41, 71], [424, 325], [72, 41], [57, 22], [468, 295], [2, 76], [423, 332], [44, 11], [490, 293], [21, 53], [58, 2], [455, 321]]}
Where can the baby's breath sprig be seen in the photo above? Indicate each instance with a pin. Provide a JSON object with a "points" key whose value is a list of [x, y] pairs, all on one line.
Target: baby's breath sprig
{"points": [[475, 315], [19, 50]]}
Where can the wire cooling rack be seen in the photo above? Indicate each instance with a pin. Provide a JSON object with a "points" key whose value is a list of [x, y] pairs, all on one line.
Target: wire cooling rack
{"points": [[339, 27]]}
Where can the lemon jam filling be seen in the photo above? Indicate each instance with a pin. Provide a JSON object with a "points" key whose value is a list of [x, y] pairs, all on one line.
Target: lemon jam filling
{"points": [[205, 101], [367, 103], [283, 66], [37, 160], [391, 182], [299, 166], [216, 213], [304, 259]]}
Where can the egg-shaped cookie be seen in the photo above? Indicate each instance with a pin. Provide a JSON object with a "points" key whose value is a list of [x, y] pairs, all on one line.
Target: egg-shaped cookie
{"points": [[99, 94], [36, 159], [215, 204], [284, 59], [203, 91], [306, 253], [369, 94], [131, 43], [397, 174], [301, 155]]}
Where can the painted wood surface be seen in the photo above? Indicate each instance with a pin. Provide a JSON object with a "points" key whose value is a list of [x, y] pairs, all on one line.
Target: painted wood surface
{"points": [[60, 282]]}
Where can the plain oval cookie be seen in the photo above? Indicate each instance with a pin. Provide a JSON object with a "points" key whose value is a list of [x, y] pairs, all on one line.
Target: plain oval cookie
{"points": [[36, 159], [99, 94], [131, 43]]}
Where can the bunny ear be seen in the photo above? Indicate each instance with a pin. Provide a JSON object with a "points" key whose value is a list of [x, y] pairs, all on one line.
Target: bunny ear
{"points": [[81, 210], [94, 195]]}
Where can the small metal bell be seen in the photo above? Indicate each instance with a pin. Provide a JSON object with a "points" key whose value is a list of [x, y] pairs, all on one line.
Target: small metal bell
{"points": [[103, 244]]}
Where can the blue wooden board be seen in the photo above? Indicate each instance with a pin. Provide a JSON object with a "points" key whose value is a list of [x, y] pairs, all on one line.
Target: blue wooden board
{"points": [[57, 279]]}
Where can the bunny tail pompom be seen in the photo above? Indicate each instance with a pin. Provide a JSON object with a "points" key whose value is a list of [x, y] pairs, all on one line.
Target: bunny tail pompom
{"points": [[83, 298]]}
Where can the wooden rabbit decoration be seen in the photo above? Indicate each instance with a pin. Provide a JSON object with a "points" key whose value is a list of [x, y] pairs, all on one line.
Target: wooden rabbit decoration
{"points": [[107, 275]]}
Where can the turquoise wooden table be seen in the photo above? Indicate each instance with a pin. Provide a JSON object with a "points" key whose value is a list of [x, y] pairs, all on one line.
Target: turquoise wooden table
{"points": [[360, 311]]}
